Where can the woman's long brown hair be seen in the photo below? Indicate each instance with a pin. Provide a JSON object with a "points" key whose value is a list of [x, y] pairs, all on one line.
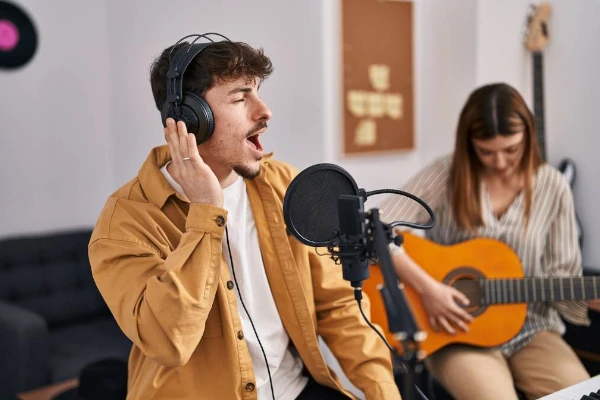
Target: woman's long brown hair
{"points": [[491, 110]]}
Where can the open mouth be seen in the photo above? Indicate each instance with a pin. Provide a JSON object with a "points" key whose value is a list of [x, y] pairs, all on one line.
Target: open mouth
{"points": [[254, 142]]}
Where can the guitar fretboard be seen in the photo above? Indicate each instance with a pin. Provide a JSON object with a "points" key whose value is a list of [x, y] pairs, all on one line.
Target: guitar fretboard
{"points": [[538, 101], [531, 290]]}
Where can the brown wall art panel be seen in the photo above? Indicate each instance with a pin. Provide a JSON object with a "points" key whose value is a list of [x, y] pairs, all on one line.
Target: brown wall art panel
{"points": [[377, 59]]}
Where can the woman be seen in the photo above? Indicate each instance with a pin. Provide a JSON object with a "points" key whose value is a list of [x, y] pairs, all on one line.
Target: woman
{"points": [[495, 185]]}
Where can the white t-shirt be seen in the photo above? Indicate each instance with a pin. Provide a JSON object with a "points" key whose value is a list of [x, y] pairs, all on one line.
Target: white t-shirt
{"points": [[285, 367]]}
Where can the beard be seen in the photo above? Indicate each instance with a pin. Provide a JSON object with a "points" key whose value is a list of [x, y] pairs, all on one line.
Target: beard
{"points": [[246, 171]]}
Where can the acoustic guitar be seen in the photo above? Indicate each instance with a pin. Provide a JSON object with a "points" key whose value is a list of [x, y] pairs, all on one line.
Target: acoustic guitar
{"points": [[490, 274]]}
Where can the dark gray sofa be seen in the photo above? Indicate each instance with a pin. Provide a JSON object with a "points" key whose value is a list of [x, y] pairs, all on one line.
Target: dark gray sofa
{"points": [[53, 321]]}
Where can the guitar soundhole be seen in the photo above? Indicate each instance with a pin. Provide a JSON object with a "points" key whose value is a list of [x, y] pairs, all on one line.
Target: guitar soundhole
{"points": [[468, 281]]}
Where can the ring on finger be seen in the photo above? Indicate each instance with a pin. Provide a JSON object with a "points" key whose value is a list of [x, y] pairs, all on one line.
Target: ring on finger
{"points": [[186, 159]]}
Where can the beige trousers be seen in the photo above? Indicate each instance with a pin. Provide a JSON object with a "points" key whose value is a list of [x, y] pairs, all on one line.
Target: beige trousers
{"points": [[544, 366]]}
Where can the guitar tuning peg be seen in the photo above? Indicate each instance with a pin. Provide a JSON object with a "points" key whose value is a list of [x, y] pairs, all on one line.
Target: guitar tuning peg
{"points": [[545, 29]]}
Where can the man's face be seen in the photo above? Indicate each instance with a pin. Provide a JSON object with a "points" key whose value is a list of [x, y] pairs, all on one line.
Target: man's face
{"points": [[240, 117]]}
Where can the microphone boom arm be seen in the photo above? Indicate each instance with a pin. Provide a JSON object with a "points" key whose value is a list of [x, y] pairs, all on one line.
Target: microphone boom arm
{"points": [[401, 321], [363, 236]]}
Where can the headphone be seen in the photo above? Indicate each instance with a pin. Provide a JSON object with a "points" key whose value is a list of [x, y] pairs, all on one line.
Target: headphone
{"points": [[188, 107]]}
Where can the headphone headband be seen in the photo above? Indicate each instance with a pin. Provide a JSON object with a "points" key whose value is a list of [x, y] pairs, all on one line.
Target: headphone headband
{"points": [[188, 107], [179, 63]]}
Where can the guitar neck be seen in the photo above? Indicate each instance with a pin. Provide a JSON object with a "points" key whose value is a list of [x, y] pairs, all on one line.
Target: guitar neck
{"points": [[538, 101], [532, 290]]}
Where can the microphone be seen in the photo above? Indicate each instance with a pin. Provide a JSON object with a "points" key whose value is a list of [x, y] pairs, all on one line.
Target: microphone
{"points": [[313, 213], [352, 240], [323, 207]]}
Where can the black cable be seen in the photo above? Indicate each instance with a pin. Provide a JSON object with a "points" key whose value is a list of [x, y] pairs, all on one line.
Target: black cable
{"points": [[431, 222], [358, 297], [248, 314]]}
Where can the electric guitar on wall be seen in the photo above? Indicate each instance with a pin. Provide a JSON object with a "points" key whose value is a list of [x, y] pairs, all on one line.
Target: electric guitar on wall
{"points": [[490, 274], [536, 40], [582, 339]]}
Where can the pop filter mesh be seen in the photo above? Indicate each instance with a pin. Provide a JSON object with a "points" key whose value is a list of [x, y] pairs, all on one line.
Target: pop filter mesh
{"points": [[310, 207]]}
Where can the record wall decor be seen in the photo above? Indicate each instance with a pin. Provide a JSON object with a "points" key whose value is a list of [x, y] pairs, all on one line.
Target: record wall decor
{"points": [[18, 37]]}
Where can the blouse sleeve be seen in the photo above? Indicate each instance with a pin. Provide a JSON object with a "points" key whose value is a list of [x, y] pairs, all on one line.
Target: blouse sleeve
{"points": [[562, 256], [430, 185]]}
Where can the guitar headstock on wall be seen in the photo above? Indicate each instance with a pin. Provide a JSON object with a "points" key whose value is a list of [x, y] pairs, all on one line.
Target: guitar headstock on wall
{"points": [[536, 33]]}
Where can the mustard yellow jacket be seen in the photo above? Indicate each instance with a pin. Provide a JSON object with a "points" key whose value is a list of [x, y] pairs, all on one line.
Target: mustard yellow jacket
{"points": [[157, 261]]}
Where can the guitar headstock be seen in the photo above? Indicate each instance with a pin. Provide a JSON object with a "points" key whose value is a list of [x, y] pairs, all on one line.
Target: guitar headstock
{"points": [[536, 33]]}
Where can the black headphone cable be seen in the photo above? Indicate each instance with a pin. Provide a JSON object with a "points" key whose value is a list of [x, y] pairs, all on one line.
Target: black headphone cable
{"points": [[248, 314]]}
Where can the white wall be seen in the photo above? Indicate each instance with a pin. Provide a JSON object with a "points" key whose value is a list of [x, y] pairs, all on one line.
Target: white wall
{"points": [[55, 141], [86, 140], [572, 88], [290, 33], [95, 120]]}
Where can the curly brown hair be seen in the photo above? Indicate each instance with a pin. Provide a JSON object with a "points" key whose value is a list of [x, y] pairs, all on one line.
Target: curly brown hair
{"points": [[218, 62]]}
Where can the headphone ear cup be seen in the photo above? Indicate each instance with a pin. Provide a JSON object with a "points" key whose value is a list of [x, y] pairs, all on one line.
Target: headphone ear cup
{"points": [[186, 114], [202, 113], [195, 112], [167, 112]]}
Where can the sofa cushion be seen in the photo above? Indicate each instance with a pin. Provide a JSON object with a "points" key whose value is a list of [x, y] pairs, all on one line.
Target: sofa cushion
{"points": [[50, 275], [74, 346], [23, 350]]}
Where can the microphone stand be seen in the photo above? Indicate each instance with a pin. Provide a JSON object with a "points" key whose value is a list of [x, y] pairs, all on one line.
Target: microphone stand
{"points": [[362, 237], [400, 318]]}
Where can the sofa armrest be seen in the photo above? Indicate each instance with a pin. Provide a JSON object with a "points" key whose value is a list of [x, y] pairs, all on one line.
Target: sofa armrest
{"points": [[24, 350]]}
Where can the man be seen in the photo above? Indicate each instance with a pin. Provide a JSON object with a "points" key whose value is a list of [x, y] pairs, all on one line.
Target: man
{"points": [[199, 232]]}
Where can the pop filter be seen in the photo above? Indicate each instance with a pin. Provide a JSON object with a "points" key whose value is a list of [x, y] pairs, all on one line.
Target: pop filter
{"points": [[310, 205]]}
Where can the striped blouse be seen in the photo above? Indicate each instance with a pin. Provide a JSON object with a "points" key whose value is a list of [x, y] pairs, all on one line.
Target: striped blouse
{"points": [[549, 247]]}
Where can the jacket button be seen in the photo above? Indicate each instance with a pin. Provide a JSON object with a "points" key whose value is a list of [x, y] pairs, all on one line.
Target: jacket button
{"points": [[229, 285], [240, 335], [249, 387], [220, 221]]}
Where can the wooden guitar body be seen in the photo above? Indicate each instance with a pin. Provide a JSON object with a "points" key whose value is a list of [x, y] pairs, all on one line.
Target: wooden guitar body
{"points": [[462, 266]]}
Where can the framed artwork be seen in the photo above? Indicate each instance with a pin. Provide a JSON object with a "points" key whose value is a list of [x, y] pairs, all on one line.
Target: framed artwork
{"points": [[377, 60]]}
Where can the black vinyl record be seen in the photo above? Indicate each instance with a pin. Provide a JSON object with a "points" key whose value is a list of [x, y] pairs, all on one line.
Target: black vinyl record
{"points": [[18, 38]]}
